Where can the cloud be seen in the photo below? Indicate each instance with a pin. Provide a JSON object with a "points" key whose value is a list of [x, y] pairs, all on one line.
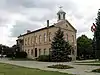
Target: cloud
{"points": [[21, 27], [16, 16]]}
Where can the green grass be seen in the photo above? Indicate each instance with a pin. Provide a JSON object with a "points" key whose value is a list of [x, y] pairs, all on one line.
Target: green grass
{"points": [[96, 70], [60, 66], [90, 64], [7, 69]]}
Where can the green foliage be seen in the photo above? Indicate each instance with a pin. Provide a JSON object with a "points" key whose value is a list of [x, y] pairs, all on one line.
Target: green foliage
{"points": [[97, 35], [20, 55], [96, 70], [60, 48], [60, 66], [84, 47], [45, 58]]}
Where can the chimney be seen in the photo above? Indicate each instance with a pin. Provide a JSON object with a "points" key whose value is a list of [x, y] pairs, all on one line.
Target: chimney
{"points": [[28, 31], [47, 23]]}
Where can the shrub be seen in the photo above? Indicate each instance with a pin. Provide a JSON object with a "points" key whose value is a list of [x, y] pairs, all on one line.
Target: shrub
{"points": [[96, 70], [60, 66], [45, 58], [20, 55]]}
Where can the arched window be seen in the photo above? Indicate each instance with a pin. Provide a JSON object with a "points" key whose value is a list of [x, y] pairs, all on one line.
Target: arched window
{"points": [[32, 52], [66, 37], [45, 37], [39, 52], [40, 38], [28, 51], [50, 51], [36, 39], [50, 36], [45, 51], [72, 38]]}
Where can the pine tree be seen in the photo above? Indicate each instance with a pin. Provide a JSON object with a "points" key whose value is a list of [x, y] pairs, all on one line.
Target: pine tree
{"points": [[97, 35], [60, 48]]}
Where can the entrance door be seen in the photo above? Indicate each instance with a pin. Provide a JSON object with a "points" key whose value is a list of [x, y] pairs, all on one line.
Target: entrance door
{"points": [[35, 52]]}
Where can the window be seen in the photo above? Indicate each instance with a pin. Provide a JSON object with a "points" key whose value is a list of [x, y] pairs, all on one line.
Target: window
{"points": [[44, 51], [39, 52], [28, 51], [72, 38], [50, 50], [35, 39], [25, 41], [45, 38], [50, 36], [28, 40], [25, 50], [32, 52], [31, 40], [40, 39], [66, 37]]}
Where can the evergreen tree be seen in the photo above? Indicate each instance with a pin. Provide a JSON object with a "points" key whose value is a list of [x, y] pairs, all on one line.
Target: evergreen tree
{"points": [[60, 48], [97, 35]]}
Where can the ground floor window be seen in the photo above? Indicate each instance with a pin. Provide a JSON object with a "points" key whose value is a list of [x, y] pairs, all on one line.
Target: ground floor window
{"points": [[45, 51], [32, 52], [50, 50], [39, 52], [28, 51]]}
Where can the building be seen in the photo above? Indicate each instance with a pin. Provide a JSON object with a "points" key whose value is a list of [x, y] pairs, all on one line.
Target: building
{"points": [[38, 42]]}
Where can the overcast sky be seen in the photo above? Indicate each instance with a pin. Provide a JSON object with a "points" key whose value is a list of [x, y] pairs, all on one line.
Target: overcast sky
{"points": [[18, 16]]}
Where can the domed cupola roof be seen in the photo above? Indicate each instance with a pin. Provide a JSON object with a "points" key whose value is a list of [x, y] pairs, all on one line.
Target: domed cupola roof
{"points": [[61, 11]]}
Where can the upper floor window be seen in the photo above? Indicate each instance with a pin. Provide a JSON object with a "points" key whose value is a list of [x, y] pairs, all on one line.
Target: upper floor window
{"points": [[25, 41], [28, 41], [45, 38], [31, 40], [35, 39], [40, 38], [72, 38], [50, 36], [66, 37]]}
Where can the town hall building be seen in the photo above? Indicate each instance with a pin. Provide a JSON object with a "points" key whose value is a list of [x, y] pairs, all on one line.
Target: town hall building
{"points": [[38, 42]]}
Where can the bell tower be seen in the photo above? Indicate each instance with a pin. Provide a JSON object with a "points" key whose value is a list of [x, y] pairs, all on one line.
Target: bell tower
{"points": [[61, 14]]}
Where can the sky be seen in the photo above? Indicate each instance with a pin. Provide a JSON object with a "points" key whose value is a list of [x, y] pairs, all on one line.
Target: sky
{"points": [[18, 16]]}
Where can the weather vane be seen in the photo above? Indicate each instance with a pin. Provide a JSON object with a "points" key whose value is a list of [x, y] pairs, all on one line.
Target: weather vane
{"points": [[60, 7]]}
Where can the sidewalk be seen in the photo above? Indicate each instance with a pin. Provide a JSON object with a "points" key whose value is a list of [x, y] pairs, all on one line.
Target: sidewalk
{"points": [[78, 69]]}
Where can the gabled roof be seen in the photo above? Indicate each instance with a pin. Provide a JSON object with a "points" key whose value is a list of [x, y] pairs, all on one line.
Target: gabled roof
{"points": [[71, 25], [46, 28], [36, 30]]}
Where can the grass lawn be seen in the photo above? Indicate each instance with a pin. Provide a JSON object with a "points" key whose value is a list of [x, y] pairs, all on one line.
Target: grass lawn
{"points": [[7, 69], [89, 62]]}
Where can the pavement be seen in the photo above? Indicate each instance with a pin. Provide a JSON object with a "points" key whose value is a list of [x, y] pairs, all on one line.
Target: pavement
{"points": [[78, 69]]}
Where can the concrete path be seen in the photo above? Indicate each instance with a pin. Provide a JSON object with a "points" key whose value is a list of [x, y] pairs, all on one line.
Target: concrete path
{"points": [[78, 69]]}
